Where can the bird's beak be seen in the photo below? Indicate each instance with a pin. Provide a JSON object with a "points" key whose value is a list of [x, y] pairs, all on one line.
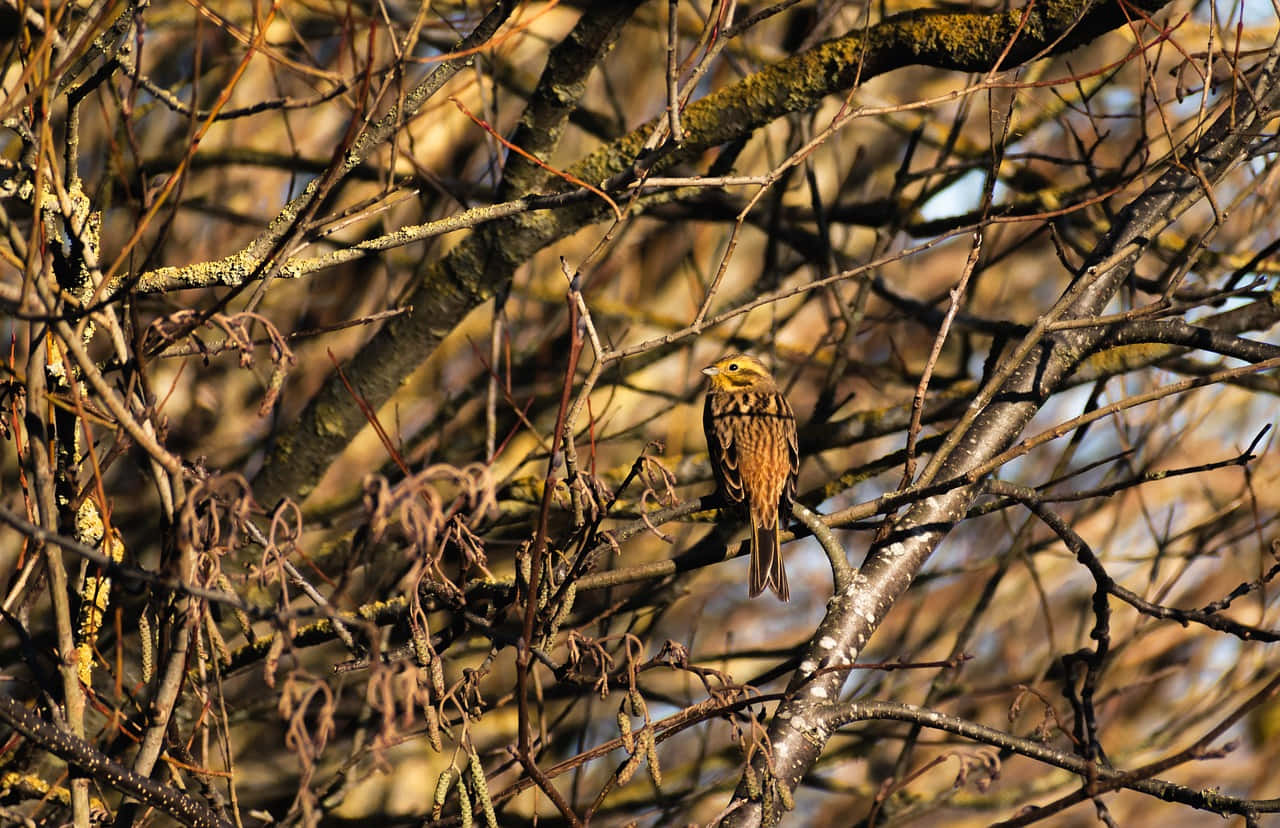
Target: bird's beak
{"points": [[711, 370]]}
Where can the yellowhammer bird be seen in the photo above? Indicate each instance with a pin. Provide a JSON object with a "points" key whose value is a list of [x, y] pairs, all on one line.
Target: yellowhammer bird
{"points": [[751, 434]]}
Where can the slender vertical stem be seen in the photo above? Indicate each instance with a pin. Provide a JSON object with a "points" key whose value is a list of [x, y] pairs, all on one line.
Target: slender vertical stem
{"points": [[524, 659]]}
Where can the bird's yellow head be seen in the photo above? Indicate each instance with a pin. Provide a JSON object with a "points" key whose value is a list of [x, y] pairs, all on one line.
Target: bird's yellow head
{"points": [[739, 372]]}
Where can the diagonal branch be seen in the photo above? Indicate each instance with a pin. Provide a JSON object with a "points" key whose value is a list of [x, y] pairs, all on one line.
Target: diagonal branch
{"points": [[1139, 779], [482, 264], [74, 751], [1042, 367]]}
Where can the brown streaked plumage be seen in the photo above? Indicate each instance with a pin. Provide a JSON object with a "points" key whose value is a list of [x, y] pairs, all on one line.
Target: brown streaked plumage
{"points": [[751, 434]]}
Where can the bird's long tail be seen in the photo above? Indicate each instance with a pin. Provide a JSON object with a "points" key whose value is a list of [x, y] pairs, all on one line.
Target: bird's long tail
{"points": [[766, 559]]}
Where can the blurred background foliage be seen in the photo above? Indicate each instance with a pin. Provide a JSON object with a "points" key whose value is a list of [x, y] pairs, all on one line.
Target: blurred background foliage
{"points": [[830, 241]]}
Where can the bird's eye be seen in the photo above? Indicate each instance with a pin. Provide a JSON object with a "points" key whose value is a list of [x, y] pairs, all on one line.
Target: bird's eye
{"points": [[733, 366]]}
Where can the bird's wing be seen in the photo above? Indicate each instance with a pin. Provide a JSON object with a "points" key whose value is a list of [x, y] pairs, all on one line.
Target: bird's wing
{"points": [[717, 422], [793, 456]]}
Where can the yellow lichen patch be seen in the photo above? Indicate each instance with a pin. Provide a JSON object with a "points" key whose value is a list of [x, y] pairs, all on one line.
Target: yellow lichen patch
{"points": [[94, 598], [34, 787]]}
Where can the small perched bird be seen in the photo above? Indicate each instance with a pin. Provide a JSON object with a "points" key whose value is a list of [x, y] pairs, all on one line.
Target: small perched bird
{"points": [[751, 434]]}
